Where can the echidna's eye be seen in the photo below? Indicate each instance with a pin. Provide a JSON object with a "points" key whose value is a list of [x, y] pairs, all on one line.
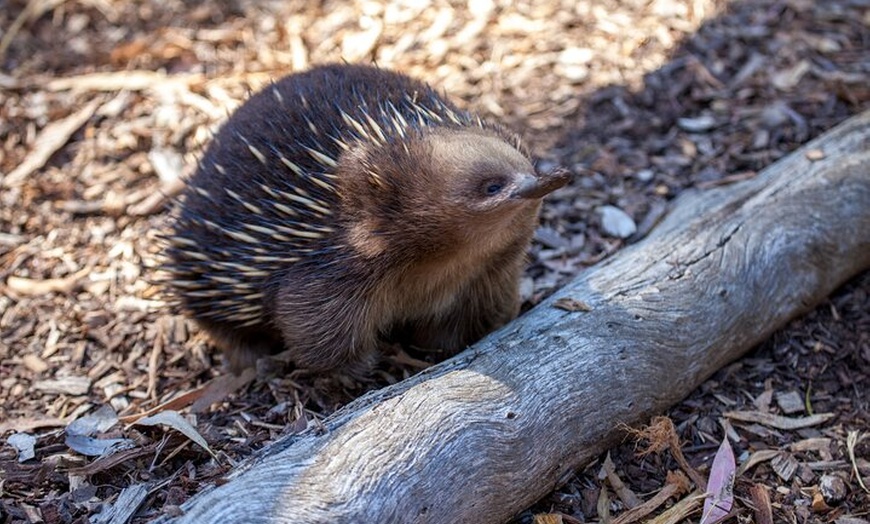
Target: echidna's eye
{"points": [[493, 187]]}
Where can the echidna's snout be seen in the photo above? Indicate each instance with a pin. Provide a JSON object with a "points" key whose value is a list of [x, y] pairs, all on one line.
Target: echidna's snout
{"points": [[533, 187]]}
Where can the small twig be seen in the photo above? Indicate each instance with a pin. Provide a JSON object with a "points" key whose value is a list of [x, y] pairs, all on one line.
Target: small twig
{"points": [[153, 360], [677, 484], [852, 440], [49, 140], [34, 9]]}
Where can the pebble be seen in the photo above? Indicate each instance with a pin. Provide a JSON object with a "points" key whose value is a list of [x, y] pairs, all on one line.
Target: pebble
{"points": [[572, 63], [527, 288], [616, 222], [697, 124], [573, 73], [774, 116], [576, 55], [833, 489], [645, 175], [551, 238]]}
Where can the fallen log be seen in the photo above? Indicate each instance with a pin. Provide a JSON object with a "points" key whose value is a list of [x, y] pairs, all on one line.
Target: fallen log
{"points": [[487, 433]]}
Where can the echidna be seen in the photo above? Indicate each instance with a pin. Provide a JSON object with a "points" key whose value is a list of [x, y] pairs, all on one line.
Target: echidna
{"points": [[347, 205]]}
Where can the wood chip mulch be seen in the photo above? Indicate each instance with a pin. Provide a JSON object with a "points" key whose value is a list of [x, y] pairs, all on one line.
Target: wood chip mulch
{"points": [[106, 105]]}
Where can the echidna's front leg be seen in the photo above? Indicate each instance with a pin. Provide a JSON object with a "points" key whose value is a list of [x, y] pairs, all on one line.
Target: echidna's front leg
{"points": [[488, 303], [325, 327]]}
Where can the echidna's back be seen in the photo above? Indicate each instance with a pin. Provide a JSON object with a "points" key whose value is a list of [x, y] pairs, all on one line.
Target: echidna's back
{"points": [[263, 197]]}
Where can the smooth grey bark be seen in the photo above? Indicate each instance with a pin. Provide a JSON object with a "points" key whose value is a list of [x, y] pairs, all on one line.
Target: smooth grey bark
{"points": [[485, 434]]}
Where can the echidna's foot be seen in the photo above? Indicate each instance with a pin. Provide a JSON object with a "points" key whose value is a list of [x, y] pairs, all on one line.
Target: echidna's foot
{"points": [[241, 347], [357, 365]]}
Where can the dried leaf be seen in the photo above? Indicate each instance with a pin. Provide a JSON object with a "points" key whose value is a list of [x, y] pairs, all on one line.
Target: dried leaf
{"points": [[96, 447], [174, 420], [79, 434], [779, 422], [756, 458], [23, 444], [720, 486], [761, 504], [97, 422]]}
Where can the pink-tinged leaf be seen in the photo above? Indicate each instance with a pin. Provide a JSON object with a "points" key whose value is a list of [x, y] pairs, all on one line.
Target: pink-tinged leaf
{"points": [[720, 486]]}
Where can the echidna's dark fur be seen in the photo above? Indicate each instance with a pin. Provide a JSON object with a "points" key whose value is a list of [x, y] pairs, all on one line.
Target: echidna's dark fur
{"points": [[263, 254]]}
